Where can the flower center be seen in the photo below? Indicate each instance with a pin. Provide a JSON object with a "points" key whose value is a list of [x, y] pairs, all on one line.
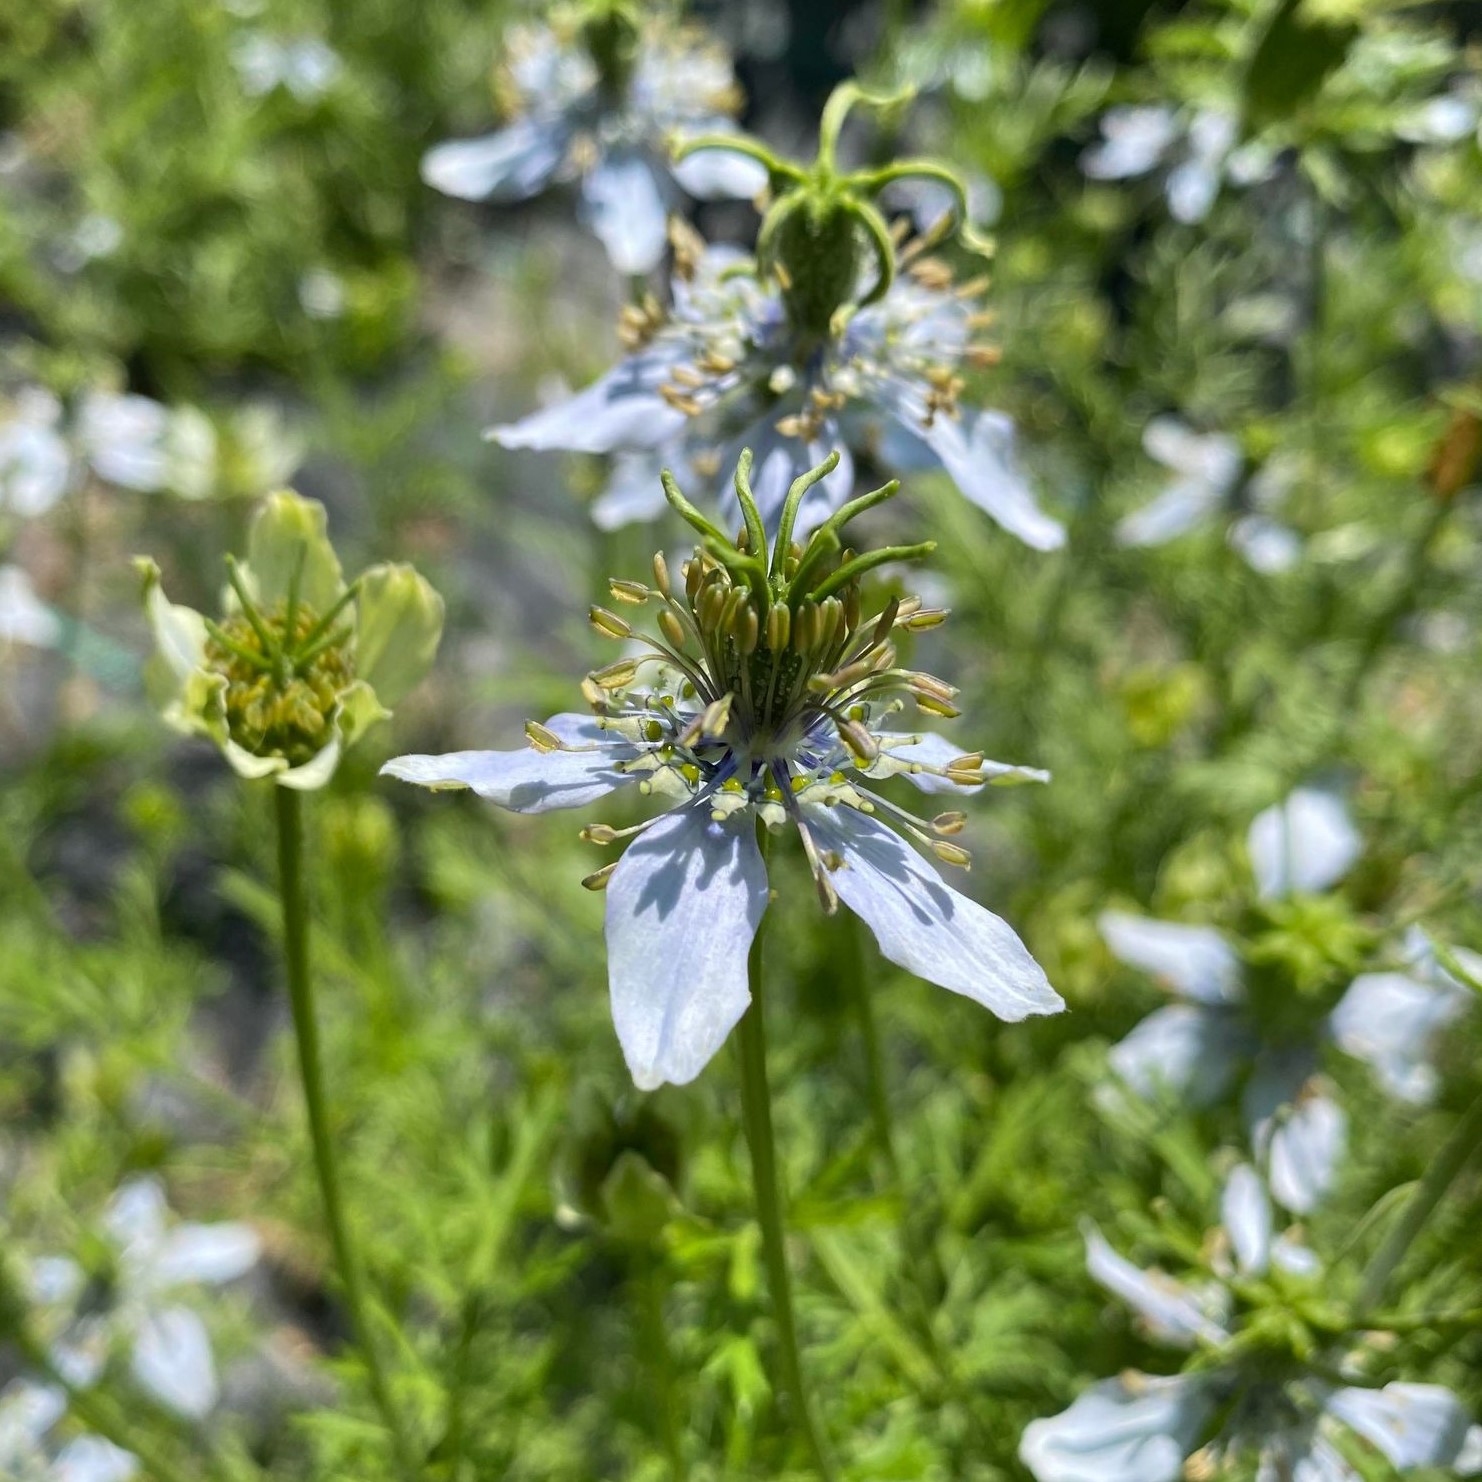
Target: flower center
{"points": [[282, 685]]}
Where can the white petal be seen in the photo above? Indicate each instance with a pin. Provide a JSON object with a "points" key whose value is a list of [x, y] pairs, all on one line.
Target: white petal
{"points": [[977, 450], [27, 1412], [525, 781], [206, 1253], [1268, 546], [621, 410], [717, 174], [125, 438], [1393, 1021], [1136, 1429], [1206, 458], [901, 751], [634, 491], [1135, 139], [172, 1360], [1182, 505], [34, 463], [136, 1215], [682, 908], [511, 165], [623, 204], [1299, 1132], [1185, 1049], [1194, 961], [1414, 1425], [92, 1459], [1171, 1312], [53, 1281], [24, 617], [925, 927], [1304, 844], [1245, 1212], [1191, 190], [1321, 1462]]}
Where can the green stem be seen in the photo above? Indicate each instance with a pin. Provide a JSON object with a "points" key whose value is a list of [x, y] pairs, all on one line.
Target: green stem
{"points": [[1447, 1165], [311, 1072], [647, 1283], [876, 1088], [756, 1111]]}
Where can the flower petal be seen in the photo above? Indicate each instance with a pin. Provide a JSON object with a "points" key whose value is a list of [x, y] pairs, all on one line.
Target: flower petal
{"points": [[288, 535], [902, 752], [125, 439], [621, 410], [717, 174], [1132, 1429], [525, 781], [1392, 1020], [92, 1459], [35, 466], [1134, 141], [623, 204], [27, 1412], [1303, 844], [511, 165], [1245, 1212], [1194, 961], [136, 1216], [1414, 1425], [179, 632], [24, 617], [1298, 1131], [1175, 511], [977, 450], [315, 773], [1203, 458], [925, 927], [1267, 545], [1170, 1311], [399, 620], [172, 1360], [1188, 1050], [683, 906], [209, 1254], [634, 491]]}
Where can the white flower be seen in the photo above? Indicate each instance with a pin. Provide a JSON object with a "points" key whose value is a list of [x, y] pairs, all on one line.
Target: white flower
{"points": [[602, 104], [767, 706], [1199, 1046], [1276, 1408], [35, 464], [169, 1348], [139, 443], [28, 1414], [306, 67]]}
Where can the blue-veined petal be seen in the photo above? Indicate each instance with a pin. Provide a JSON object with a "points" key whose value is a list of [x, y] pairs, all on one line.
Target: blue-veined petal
{"points": [[621, 410], [1194, 961], [1188, 1050], [1414, 1425], [1171, 1312], [623, 203], [1303, 844], [172, 1360], [922, 925], [511, 165], [527, 780], [1133, 1429], [683, 906], [1245, 1212]]}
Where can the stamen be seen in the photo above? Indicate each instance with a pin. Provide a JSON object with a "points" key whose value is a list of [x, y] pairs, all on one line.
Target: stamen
{"points": [[598, 879], [609, 624]]}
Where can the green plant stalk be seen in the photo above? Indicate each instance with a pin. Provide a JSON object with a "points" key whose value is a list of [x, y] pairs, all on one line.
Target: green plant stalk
{"points": [[646, 1282], [1457, 1151], [311, 1073], [876, 1088], [756, 1111]]}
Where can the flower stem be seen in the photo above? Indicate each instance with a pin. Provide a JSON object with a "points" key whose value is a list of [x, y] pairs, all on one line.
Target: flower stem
{"points": [[756, 1111], [646, 1282], [876, 1088], [1455, 1154], [311, 1072]]}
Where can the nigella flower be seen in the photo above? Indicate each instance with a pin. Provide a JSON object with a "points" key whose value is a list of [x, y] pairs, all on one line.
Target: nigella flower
{"points": [[1207, 471], [1200, 150], [29, 1414], [1248, 1015], [131, 1303], [840, 336], [300, 663], [306, 66], [35, 469], [765, 701], [599, 95], [1264, 1382]]}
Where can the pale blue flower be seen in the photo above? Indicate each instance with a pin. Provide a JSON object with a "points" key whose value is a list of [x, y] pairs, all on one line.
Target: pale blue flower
{"points": [[1200, 1046], [612, 134], [29, 1412], [305, 66], [1199, 149], [168, 1347], [1207, 470], [767, 701], [723, 369], [1274, 1409]]}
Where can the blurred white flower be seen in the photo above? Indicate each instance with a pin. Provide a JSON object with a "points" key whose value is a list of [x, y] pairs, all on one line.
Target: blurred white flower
{"points": [[139, 443], [306, 66], [28, 1414], [35, 465], [24, 617], [1264, 1387]]}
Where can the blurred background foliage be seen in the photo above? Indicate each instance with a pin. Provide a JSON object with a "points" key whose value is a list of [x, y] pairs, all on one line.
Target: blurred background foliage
{"points": [[218, 205]]}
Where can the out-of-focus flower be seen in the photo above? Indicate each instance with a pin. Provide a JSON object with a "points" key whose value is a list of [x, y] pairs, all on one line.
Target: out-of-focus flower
{"points": [[29, 1412], [139, 443], [1264, 1380], [301, 664], [1228, 1022], [1207, 472], [1199, 148], [306, 66], [35, 464], [599, 95], [768, 706], [133, 1302]]}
